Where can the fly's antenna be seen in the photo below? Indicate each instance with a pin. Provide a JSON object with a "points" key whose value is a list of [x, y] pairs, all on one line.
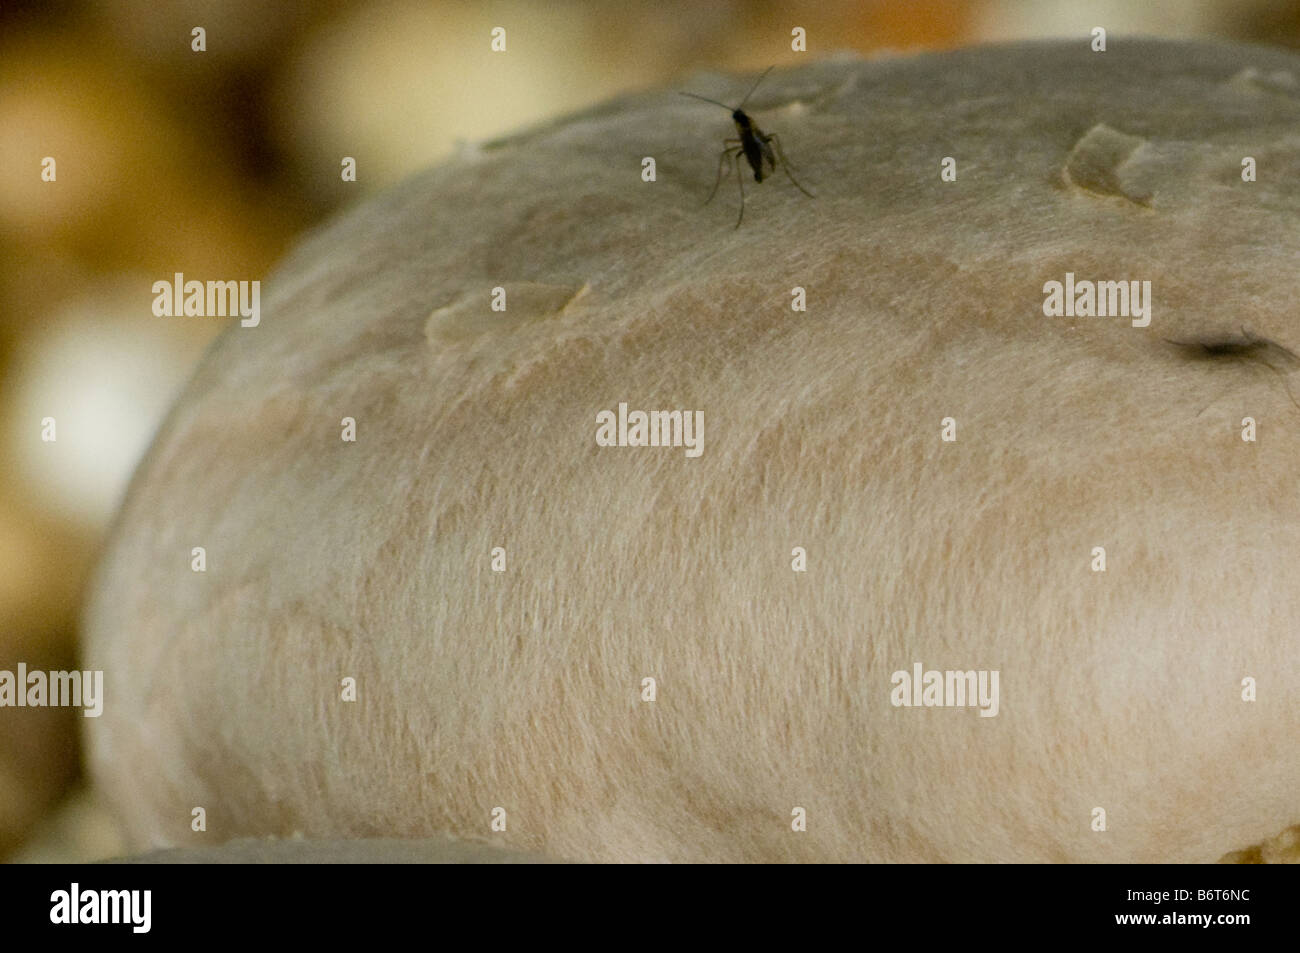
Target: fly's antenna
{"points": [[732, 109], [755, 86], [707, 100]]}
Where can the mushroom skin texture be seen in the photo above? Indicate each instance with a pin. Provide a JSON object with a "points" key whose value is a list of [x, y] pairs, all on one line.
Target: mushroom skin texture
{"points": [[475, 429]]}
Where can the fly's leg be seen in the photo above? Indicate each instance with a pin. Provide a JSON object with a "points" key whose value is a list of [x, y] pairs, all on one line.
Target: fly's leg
{"points": [[722, 157], [785, 164]]}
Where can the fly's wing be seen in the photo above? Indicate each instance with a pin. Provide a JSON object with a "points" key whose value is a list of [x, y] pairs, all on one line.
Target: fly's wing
{"points": [[758, 153], [769, 160]]}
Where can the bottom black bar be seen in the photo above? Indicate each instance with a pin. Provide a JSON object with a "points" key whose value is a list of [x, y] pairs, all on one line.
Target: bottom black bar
{"points": [[307, 901]]}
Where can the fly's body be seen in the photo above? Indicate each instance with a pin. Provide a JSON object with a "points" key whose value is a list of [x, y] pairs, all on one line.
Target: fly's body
{"points": [[763, 152], [757, 151]]}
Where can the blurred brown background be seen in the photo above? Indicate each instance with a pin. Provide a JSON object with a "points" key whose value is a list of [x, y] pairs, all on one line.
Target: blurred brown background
{"points": [[210, 163]]}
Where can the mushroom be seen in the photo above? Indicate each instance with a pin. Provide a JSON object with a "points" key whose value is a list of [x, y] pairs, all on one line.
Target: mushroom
{"points": [[919, 469]]}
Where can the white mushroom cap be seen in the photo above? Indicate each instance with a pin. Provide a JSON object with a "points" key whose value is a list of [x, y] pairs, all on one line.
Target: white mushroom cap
{"points": [[476, 429]]}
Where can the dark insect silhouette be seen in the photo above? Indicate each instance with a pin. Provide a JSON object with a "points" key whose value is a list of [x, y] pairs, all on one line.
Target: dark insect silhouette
{"points": [[763, 152]]}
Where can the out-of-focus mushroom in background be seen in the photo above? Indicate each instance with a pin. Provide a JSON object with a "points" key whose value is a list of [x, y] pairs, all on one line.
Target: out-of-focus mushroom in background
{"points": [[170, 160]]}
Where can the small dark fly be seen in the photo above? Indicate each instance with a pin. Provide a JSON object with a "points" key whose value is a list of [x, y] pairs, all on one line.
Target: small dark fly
{"points": [[763, 152]]}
